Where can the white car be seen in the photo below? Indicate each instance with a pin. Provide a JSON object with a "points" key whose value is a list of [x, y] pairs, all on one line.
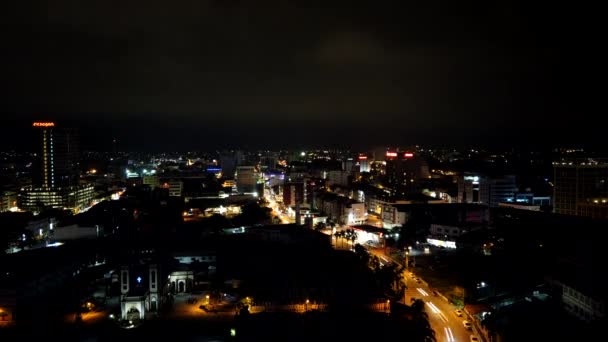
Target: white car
{"points": [[467, 324]]}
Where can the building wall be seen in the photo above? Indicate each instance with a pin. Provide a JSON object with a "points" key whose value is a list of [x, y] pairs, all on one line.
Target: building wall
{"points": [[8, 200], [337, 177], [392, 217], [442, 230], [580, 305], [293, 192], [75, 232], [355, 213], [468, 188], [494, 190], [78, 197], [247, 178], [576, 185], [152, 181], [176, 188]]}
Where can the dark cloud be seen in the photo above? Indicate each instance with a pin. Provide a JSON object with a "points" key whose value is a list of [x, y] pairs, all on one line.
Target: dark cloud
{"points": [[434, 71]]}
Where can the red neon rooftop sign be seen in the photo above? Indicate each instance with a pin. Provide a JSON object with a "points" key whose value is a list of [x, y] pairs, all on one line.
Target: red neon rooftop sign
{"points": [[391, 154], [43, 124], [408, 154], [362, 157]]}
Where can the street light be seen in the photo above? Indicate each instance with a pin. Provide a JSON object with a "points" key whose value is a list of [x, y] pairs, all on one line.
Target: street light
{"points": [[306, 307], [207, 297]]}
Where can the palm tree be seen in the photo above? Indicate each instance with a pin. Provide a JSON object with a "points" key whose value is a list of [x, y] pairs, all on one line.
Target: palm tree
{"points": [[351, 235], [339, 234], [422, 330]]}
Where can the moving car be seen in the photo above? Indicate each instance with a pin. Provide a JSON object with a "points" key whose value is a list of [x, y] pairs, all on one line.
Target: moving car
{"points": [[467, 324]]}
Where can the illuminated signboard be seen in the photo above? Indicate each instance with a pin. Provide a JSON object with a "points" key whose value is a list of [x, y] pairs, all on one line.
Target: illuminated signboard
{"points": [[391, 154], [43, 124], [408, 155], [441, 243], [362, 157]]}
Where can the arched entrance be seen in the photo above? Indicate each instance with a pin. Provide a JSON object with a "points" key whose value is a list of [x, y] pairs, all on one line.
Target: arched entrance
{"points": [[182, 286], [133, 314]]}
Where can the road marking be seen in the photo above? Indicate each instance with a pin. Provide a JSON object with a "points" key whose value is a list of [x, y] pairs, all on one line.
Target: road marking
{"points": [[438, 312], [422, 292], [449, 334]]}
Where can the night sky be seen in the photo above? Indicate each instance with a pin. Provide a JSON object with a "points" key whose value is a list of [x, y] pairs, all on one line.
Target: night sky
{"points": [[163, 75]]}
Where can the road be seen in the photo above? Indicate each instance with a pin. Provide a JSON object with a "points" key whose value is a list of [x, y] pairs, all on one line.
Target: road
{"points": [[276, 211], [442, 315]]}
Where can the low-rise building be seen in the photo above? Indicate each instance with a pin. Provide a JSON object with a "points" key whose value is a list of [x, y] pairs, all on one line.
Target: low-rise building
{"points": [[341, 209], [73, 197]]}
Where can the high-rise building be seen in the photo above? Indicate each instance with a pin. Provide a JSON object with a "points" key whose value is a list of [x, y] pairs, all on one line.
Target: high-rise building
{"points": [[581, 189], [56, 181], [364, 163], [57, 162], [293, 192], [228, 164], [248, 180], [404, 171]]}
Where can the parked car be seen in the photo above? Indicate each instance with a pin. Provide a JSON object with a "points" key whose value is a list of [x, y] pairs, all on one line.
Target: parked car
{"points": [[458, 313], [474, 338], [467, 324]]}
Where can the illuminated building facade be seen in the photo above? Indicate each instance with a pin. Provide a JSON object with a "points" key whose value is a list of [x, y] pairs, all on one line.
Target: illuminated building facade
{"points": [[76, 197], [8, 201], [364, 163], [142, 289], [56, 176]]}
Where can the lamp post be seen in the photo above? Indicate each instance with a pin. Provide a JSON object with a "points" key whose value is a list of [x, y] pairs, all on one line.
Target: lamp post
{"points": [[306, 306]]}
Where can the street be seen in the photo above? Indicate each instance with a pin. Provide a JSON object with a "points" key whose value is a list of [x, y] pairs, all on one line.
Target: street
{"points": [[442, 315]]}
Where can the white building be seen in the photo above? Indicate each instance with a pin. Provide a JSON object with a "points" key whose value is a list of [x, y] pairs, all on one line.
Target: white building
{"points": [[141, 288], [393, 215], [355, 213]]}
